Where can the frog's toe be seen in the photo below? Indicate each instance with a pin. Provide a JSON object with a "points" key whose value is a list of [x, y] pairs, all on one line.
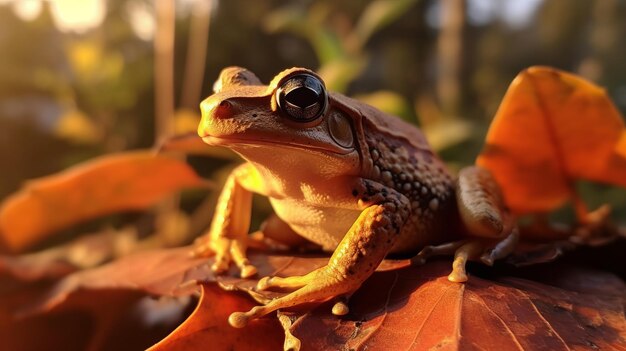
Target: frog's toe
{"points": [[247, 271], [221, 264], [467, 251], [458, 276], [501, 249], [240, 319], [422, 256], [486, 253], [340, 308], [204, 248], [291, 283], [201, 249], [487, 258], [264, 284]]}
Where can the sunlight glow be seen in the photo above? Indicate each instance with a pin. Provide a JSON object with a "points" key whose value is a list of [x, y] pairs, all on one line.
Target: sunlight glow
{"points": [[515, 13], [141, 17], [27, 10], [68, 15], [77, 15]]}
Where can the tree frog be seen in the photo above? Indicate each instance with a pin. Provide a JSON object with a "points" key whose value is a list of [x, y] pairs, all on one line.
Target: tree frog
{"points": [[343, 175]]}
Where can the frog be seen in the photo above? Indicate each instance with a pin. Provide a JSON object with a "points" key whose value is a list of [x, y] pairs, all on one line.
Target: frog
{"points": [[360, 184]]}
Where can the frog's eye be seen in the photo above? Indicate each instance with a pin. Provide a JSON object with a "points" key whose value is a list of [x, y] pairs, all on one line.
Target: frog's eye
{"points": [[302, 97]]}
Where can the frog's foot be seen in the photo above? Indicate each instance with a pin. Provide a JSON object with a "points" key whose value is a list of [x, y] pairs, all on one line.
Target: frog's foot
{"points": [[470, 249], [436, 250], [340, 308], [318, 286], [463, 250], [225, 251]]}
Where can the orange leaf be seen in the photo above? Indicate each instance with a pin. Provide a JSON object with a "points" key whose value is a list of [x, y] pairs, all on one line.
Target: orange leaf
{"points": [[417, 308], [127, 181], [158, 272], [406, 308], [54, 263], [551, 129], [207, 328]]}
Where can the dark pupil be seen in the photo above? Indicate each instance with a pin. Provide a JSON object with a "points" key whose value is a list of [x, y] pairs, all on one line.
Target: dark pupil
{"points": [[302, 97]]}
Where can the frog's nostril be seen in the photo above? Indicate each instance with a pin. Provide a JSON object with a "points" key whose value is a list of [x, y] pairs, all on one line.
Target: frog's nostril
{"points": [[224, 109]]}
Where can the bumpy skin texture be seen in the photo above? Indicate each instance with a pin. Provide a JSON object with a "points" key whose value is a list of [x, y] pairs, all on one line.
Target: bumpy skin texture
{"points": [[353, 180]]}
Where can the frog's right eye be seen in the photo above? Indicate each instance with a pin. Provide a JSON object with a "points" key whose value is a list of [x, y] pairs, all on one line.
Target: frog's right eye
{"points": [[302, 98]]}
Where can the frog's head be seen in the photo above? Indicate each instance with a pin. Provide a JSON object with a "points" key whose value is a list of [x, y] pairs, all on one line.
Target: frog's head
{"points": [[292, 116]]}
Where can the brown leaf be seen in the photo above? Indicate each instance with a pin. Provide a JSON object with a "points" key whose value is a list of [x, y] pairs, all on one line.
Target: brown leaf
{"points": [[166, 272], [127, 181], [208, 328], [105, 318], [399, 307], [90, 320], [551, 129], [54, 263], [417, 308]]}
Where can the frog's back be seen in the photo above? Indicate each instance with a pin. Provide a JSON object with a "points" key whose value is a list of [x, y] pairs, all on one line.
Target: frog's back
{"points": [[403, 160]]}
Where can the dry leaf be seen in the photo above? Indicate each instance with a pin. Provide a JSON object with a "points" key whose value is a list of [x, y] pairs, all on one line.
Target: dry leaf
{"points": [[399, 307], [54, 263], [419, 309], [127, 181], [100, 312], [208, 329], [159, 272], [551, 129]]}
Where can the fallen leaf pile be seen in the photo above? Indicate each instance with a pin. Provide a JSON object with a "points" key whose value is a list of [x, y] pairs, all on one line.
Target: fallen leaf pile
{"points": [[118, 290]]}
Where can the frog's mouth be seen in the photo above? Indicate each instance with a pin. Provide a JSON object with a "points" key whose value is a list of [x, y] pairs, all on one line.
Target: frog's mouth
{"points": [[234, 142]]}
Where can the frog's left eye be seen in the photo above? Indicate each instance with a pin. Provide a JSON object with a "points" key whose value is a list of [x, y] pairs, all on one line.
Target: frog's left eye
{"points": [[302, 97]]}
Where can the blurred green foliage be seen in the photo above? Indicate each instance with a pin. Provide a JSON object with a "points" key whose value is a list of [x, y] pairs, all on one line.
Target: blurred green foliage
{"points": [[65, 97]]}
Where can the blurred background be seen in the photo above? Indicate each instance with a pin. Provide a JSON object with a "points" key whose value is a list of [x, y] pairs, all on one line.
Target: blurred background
{"points": [[80, 78]]}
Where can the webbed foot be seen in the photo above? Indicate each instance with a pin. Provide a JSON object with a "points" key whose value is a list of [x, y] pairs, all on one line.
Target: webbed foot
{"points": [[318, 286]]}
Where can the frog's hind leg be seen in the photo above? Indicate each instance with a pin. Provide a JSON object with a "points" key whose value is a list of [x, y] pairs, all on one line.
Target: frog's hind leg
{"points": [[492, 231]]}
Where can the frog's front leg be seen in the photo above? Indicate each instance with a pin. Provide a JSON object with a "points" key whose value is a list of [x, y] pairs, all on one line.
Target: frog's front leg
{"points": [[356, 257], [492, 233], [227, 237]]}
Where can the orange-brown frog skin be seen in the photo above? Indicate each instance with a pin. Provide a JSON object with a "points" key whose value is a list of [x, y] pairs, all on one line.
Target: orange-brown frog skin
{"points": [[344, 175]]}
